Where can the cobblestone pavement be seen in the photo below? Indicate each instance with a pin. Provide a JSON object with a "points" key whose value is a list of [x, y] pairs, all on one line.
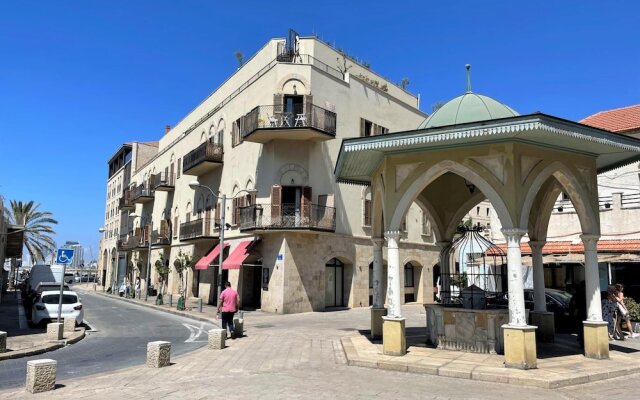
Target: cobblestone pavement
{"points": [[299, 357]]}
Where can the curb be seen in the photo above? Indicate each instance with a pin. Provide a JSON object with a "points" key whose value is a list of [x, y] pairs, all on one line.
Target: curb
{"points": [[153, 307], [44, 348], [354, 359]]}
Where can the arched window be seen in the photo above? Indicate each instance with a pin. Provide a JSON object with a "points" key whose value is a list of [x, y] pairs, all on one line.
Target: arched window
{"points": [[366, 209], [408, 275], [334, 283]]}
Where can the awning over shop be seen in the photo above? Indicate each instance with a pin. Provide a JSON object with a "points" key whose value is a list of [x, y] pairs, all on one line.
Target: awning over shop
{"points": [[235, 259], [205, 261]]}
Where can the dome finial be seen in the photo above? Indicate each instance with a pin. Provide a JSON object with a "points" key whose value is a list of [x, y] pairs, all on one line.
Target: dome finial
{"points": [[468, 67]]}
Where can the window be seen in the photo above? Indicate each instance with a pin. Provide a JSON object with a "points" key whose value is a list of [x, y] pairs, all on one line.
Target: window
{"points": [[366, 215], [179, 168], [426, 224], [366, 127], [236, 132], [403, 224], [487, 211], [370, 275], [477, 210], [408, 275], [175, 224]]}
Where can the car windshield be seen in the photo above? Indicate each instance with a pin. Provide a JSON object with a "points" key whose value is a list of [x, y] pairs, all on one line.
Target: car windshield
{"points": [[54, 299]]}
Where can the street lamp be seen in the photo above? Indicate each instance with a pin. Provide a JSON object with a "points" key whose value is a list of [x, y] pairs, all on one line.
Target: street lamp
{"points": [[101, 230], [194, 184]]}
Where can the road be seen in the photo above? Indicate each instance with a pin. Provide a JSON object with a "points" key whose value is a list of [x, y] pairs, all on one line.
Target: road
{"points": [[120, 340]]}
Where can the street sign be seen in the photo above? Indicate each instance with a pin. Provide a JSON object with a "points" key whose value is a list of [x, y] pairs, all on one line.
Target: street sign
{"points": [[64, 256]]}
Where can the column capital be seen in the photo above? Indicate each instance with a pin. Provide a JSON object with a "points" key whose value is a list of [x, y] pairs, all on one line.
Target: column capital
{"points": [[537, 245], [377, 241], [590, 241], [513, 234], [392, 235]]}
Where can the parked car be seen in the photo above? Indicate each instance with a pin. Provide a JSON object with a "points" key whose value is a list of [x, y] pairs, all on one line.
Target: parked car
{"points": [[557, 303], [46, 307], [69, 278], [49, 286]]}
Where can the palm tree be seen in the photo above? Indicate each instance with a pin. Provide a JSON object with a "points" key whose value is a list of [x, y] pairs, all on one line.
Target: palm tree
{"points": [[38, 230]]}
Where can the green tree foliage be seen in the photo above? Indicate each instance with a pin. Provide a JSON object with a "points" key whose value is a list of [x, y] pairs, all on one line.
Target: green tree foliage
{"points": [[38, 228]]}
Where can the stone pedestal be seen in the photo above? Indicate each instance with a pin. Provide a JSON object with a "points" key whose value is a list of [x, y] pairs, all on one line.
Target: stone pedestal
{"points": [[376, 322], [3, 341], [41, 375], [158, 354], [69, 324], [394, 342], [54, 331], [238, 325], [216, 339], [596, 340], [520, 347], [545, 322]]}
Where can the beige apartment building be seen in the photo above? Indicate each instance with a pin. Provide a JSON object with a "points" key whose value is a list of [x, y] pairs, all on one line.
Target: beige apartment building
{"points": [[267, 139]]}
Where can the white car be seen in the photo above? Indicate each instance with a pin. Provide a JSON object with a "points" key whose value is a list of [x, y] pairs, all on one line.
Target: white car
{"points": [[46, 307]]}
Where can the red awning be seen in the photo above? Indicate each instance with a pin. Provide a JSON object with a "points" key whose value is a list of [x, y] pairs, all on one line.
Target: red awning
{"points": [[205, 261], [235, 259]]}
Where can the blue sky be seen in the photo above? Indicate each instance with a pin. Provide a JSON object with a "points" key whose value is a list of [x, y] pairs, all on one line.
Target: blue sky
{"points": [[79, 78]]}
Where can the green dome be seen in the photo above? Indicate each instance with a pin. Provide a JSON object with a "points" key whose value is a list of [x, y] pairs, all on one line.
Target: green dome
{"points": [[469, 107]]}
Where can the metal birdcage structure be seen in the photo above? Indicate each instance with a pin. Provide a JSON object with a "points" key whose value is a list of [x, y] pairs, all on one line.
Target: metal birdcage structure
{"points": [[477, 271]]}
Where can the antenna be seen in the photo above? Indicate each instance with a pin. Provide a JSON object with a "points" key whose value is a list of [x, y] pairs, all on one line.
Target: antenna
{"points": [[468, 67]]}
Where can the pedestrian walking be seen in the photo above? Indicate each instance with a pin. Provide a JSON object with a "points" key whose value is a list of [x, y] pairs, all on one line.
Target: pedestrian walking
{"points": [[228, 305], [610, 313], [623, 313]]}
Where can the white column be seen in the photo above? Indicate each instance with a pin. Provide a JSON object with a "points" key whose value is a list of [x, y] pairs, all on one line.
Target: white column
{"points": [[393, 274], [539, 297], [592, 277], [517, 313], [444, 272], [378, 299]]}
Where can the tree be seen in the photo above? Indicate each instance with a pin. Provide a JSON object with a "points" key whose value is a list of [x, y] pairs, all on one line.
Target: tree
{"points": [[342, 64], [38, 230]]}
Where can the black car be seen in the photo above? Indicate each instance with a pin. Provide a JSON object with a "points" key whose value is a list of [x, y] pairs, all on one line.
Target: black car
{"points": [[557, 303]]}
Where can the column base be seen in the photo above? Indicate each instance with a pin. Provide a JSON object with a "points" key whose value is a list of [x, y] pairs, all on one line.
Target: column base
{"points": [[596, 339], [376, 322], [520, 347], [545, 322], [394, 342]]}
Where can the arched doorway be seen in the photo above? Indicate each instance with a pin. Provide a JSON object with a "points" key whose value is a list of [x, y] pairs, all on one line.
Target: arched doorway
{"points": [[334, 283]]}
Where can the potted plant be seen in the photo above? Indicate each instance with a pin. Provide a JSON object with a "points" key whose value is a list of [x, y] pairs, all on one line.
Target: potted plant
{"points": [[162, 267], [634, 313]]}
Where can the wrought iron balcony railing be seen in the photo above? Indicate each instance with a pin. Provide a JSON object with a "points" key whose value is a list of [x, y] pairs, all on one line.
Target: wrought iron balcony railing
{"points": [[125, 202], [288, 216], [163, 181], [161, 237], [206, 153], [203, 228], [141, 194], [280, 117], [130, 242]]}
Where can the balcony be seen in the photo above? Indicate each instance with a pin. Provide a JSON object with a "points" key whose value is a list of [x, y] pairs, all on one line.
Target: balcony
{"points": [[130, 242], [161, 237], [163, 182], [287, 217], [200, 229], [204, 158], [125, 203], [273, 122], [141, 194]]}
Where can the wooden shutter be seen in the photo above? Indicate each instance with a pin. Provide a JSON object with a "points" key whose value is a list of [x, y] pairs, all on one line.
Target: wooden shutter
{"points": [[308, 109], [306, 203], [366, 217], [236, 211], [175, 227], [179, 167], [276, 203], [278, 103], [172, 170], [362, 126]]}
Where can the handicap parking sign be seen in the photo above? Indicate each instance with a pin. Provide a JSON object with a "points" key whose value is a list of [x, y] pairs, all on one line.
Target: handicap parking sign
{"points": [[64, 256]]}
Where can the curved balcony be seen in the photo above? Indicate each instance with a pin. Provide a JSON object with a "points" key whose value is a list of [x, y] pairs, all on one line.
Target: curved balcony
{"points": [[204, 158], [163, 182], [287, 217], [273, 122], [125, 203], [141, 194], [200, 229]]}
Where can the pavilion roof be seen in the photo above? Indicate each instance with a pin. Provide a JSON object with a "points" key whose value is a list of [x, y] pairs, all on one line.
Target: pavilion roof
{"points": [[618, 120]]}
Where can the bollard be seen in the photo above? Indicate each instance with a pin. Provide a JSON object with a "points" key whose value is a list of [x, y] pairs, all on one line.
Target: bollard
{"points": [[216, 339], [170, 300], [69, 324], [3, 341], [238, 326], [199, 304], [54, 331], [158, 354], [41, 375]]}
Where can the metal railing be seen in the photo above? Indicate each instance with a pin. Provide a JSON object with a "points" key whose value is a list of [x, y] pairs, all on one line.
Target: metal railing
{"points": [[125, 201], [205, 152], [203, 227], [161, 237], [141, 191], [288, 216], [277, 116], [162, 179], [130, 242]]}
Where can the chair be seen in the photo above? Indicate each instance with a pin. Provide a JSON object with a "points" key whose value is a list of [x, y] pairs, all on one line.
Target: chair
{"points": [[286, 119], [273, 121], [301, 120]]}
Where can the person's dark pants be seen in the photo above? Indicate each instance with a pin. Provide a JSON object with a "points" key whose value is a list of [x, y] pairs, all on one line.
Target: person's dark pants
{"points": [[227, 320]]}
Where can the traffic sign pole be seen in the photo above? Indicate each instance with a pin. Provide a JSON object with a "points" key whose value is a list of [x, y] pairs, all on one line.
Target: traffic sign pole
{"points": [[64, 257]]}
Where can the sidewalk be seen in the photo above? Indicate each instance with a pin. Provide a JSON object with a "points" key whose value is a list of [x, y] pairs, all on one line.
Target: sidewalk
{"points": [[23, 341]]}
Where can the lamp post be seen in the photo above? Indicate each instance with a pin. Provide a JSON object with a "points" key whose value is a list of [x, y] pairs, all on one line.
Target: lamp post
{"points": [[101, 230], [223, 198], [146, 279]]}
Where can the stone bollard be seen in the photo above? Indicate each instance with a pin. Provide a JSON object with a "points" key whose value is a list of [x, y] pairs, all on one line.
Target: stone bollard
{"points": [[170, 299], [158, 354], [217, 338], [3, 341], [199, 303], [69, 324], [41, 375], [238, 326], [54, 331]]}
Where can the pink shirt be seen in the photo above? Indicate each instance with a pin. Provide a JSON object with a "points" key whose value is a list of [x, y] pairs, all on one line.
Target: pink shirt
{"points": [[229, 299]]}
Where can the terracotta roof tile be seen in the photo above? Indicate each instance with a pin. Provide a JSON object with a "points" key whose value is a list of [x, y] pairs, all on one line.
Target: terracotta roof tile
{"points": [[617, 120], [604, 246]]}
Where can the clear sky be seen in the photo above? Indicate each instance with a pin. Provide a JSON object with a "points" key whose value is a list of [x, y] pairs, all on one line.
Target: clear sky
{"points": [[79, 78]]}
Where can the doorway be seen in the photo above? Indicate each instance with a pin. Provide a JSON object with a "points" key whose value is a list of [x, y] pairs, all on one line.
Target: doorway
{"points": [[334, 283], [291, 199], [251, 287], [293, 105]]}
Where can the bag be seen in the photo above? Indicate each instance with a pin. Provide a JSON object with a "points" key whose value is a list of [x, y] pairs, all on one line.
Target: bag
{"points": [[623, 310]]}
